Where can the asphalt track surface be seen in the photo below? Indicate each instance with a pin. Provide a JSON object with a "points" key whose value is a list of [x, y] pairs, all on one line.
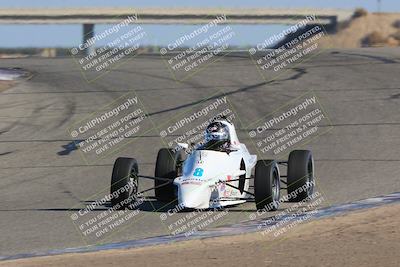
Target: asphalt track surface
{"points": [[42, 176]]}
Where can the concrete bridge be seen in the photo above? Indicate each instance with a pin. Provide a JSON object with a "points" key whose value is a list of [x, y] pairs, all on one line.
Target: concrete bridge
{"points": [[88, 17], [167, 15]]}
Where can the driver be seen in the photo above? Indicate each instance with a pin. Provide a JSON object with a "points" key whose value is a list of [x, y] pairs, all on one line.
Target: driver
{"points": [[217, 137]]}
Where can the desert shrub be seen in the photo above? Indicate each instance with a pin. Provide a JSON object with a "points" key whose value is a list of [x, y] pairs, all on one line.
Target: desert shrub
{"points": [[360, 12], [396, 24], [374, 39]]}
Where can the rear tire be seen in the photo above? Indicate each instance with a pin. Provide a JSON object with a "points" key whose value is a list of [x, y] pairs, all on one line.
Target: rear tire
{"points": [[267, 185], [300, 175], [124, 182], [167, 166]]}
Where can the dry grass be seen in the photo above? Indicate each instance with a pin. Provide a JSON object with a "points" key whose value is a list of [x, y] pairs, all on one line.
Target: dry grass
{"points": [[396, 36], [374, 39], [372, 29]]}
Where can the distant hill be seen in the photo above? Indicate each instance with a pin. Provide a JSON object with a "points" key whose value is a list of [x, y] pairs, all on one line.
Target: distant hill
{"points": [[373, 29]]}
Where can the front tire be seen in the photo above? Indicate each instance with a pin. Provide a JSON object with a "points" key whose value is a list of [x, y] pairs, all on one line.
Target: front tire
{"points": [[124, 182], [167, 166], [300, 178], [267, 185]]}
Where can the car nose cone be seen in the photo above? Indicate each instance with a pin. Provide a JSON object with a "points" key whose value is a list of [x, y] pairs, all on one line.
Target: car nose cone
{"points": [[194, 196]]}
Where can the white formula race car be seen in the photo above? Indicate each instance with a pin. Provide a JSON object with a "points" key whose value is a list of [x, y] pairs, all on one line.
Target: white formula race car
{"points": [[215, 174]]}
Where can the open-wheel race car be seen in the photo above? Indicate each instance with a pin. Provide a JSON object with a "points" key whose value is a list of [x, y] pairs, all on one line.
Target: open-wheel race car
{"points": [[215, 174]]}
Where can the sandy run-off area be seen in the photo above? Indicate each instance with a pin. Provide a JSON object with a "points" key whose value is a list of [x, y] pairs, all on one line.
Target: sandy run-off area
{"points": [[367, 238]]}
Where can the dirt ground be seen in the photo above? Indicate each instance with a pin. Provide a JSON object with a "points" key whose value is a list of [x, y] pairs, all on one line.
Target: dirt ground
{"points": [[366, 238], [4, 85]]}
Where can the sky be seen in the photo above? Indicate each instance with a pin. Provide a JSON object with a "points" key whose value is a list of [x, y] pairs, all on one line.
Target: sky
{"points": [[71, 35], [388, 5]]}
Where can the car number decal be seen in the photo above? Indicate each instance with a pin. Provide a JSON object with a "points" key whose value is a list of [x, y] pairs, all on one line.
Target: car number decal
{"points": [[198, 172]]}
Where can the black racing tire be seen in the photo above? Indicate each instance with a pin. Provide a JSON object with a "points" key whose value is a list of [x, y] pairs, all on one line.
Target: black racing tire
{"points": [[124, 176], [300, 175], [167, 166], [267, 185]]}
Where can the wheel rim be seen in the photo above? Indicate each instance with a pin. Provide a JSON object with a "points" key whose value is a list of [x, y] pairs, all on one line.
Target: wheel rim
{"points": [[132, 184], [275, 188], [179, 165], [310, 177]]}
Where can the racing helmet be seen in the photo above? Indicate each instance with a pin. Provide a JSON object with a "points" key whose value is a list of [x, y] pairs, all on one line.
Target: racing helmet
{"points": [[217, 132]]}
